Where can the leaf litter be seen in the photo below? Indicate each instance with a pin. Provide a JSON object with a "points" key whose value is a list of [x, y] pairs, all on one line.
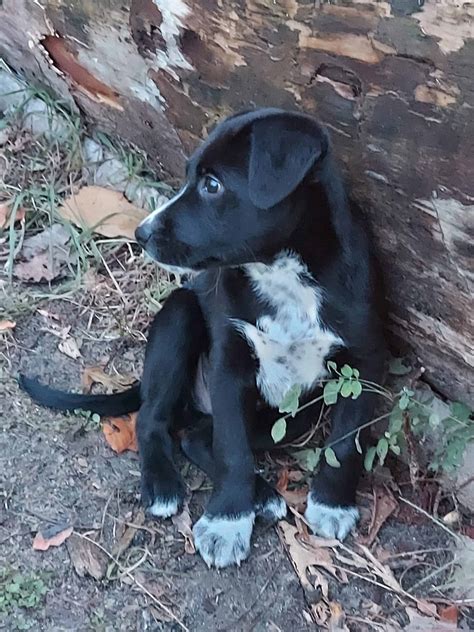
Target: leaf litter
{"points": [[103, 211], [120, 433], [46, 256], [52, 535]]}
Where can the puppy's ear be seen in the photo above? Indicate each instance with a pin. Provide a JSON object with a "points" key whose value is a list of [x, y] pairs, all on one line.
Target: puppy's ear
{"points": [[283, 148]]}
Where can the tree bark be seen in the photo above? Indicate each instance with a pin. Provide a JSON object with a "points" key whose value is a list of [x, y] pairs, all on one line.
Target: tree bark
{"points": [[392, 80]]}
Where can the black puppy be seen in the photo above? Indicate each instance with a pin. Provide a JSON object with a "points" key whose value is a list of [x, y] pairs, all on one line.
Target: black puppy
{"points": [[282, 281]]}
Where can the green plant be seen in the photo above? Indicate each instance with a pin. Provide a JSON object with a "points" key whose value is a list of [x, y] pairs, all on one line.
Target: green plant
{"points": [[92, 421], [20, 591], [406, 411]]}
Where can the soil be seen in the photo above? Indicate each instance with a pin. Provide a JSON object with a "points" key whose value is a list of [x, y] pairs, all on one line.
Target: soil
{"points": [[57, 470]]}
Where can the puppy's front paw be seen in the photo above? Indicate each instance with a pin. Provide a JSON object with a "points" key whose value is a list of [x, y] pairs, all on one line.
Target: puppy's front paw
{"points": [[224, 540], [159, 499], [328, 521]]}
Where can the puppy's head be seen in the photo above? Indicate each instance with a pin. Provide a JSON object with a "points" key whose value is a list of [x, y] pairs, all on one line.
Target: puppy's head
{"points": [[238, 203]]}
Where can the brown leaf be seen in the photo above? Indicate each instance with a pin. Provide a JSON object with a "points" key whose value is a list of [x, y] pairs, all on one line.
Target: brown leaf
{"points": [[45, 256], [120, 433], [282, 482], [104, 211], [6, 212], [6, 325], [54, 535], [70, 348], [306, 553], [419, 623], [296, 498], [449, 614], [86, 558], [384, 505], [129, 533], [96, 375], [184, 525], [337, 620]]}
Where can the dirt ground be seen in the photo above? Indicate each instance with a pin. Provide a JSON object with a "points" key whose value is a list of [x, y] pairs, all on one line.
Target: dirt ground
{"points": [[58, 470]]}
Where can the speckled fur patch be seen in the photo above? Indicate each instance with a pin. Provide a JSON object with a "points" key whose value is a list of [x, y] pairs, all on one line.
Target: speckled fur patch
{"points": [[291, 345]]}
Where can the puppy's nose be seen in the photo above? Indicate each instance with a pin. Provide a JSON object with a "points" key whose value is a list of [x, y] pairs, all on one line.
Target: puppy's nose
{"points": [[143, 233]]}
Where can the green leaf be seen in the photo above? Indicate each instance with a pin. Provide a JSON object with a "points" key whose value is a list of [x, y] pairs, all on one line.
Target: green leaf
{"points": [[356, 389], [403, 402], [382, 449], [332, 366], [331, 391], [369, 458], [95, 418], [396, 420], [290, 402], [313, 458], [434, 420], [346, 389], [396, 367], [357, 442], [279, 430], [331, 458], [13, 588], [346, 371], [356, 373], [460, 411], [308, 459], [395, 449]]}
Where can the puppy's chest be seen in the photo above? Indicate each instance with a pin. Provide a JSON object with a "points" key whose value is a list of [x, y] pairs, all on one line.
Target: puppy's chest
{"points": [[288, 339]]}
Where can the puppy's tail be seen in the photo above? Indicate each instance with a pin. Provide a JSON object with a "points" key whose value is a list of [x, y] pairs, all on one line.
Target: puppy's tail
{"points": [[115, 404]]}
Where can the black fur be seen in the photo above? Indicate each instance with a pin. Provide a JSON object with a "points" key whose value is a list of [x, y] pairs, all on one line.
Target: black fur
{"points": [[280, 189]]}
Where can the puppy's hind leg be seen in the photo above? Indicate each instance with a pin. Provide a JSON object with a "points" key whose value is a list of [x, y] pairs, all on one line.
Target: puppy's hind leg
{"points": [[197, 446], [177, 338]]}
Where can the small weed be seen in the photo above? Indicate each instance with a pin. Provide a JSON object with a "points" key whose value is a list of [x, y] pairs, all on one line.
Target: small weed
{"points": [[21, 591], [92, 421], [456, 429]]}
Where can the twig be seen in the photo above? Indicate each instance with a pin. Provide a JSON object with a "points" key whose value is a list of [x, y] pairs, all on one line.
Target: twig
{"points": [[436, 571], [432, 518], [139, 585]]}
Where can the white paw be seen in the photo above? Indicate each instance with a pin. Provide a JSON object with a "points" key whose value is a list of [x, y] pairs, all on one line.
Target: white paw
{"points": [[330, 522], [164, 507], [273, 510], [223, 541]]}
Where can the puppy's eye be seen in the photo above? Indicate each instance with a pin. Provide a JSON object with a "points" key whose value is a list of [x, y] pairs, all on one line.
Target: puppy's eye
{"points": [[210, 185]]}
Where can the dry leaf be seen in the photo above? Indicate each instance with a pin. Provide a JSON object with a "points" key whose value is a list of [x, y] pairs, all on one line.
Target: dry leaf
{"points": [[306, 553], [283, 478], [70, 348], [296, 498], [5, 214], [120, 433], [126, 539], [96, 375], [418, 623], [384, 505], [104, 211], [336, 622], [184, 525], [45, 256], [47, 315], [53, 535], [449, 614], [86, 558], [6, 325]]}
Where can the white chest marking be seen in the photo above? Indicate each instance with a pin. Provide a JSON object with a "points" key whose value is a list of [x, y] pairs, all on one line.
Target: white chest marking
{"points": [[291, 345]]}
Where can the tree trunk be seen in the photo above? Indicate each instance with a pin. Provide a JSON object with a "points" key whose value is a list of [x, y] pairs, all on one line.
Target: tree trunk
{"points": [[392, 80]]}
